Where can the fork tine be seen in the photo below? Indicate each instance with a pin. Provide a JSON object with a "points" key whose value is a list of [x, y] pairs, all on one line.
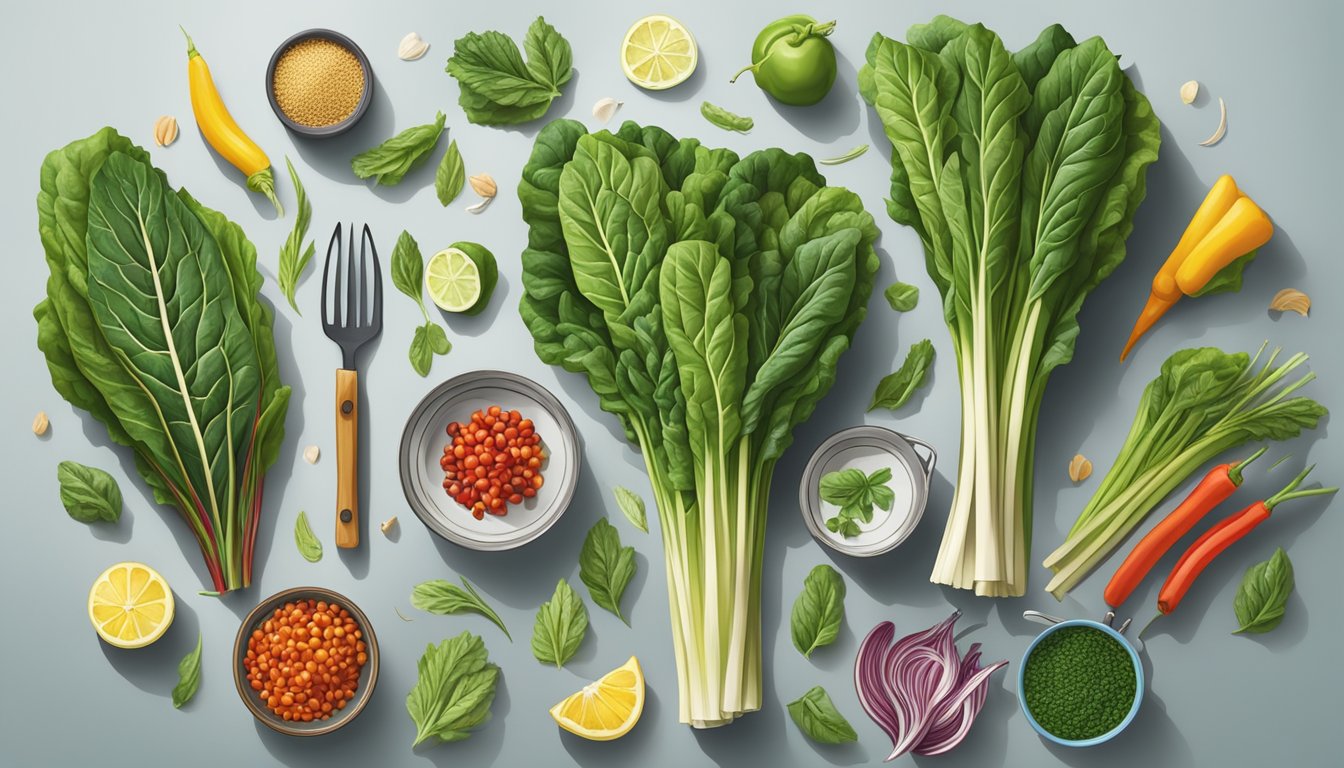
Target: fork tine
{"points": [[335, 243], [376, 315], [351, 295], [337, 301]]}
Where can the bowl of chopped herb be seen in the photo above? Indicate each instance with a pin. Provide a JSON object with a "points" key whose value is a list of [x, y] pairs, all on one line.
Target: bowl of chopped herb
{"points": [[1080, 683], [319, 83]]}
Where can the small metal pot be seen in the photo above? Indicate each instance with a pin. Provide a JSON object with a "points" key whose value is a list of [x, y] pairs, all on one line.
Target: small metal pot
{"points": [[868, 448], [365, 98]]}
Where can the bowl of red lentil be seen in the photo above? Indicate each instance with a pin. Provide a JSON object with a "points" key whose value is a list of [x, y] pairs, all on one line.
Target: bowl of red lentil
{"points": [[306, 661], [319, 83]]}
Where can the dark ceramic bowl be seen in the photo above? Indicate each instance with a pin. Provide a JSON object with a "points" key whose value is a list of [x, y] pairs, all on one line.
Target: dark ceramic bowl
{"points": [[368, 676], [364, 99]]}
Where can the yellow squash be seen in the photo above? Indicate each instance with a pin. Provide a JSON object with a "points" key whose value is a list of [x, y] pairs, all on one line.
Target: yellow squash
{"points": [[222, 133]]}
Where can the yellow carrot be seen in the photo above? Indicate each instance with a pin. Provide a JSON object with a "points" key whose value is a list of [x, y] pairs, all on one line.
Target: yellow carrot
{"points": [[222, 133]]}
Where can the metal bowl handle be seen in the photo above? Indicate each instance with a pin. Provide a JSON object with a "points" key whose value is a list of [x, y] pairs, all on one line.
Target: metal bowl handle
{"points": [[926, 463]]}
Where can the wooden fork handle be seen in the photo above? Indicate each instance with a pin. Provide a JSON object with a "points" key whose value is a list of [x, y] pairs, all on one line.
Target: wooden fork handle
{"points": [[347, 458]]}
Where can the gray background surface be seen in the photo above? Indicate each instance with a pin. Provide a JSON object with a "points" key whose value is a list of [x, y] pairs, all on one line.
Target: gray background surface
{"points": [[1215, 699]]}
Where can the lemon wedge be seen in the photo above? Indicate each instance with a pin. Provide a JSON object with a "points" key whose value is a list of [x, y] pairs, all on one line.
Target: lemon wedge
{"points": [[658, 52], [607, 708], [130, 605]]}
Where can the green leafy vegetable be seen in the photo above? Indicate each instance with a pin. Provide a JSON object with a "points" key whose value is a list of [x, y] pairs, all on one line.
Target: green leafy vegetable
{"points": [[1263, 594], [89, 494], [632, 506], [606, 567], [408, 269], [496, 87], [389, 162], [188, 676], [818, 611], [902, 296], [1227, 279], [722, 118], [1020, 173], [706, 298], [855, 494], [561, 624], [895, 389], [445, 598], [845, 158], [294, 257], [816, 716], [186, 378], [1204, 402], [451, 175], [310, 547], [454, 690]]}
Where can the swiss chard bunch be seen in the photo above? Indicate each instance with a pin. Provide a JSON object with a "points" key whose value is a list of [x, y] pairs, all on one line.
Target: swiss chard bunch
{"points": [[855, 494], [706, 297]]}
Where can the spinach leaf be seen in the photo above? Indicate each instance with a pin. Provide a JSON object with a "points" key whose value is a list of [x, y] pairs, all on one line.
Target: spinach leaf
{"points": [[606, 567], [1227, 279], [1263, 594], [445, 598], [818, 611], [389, 162], [845, 158], [454, 689], [451, 175], [722, 118], [495, 85], [902, 296], [408, 269], [89, 494], [294, 257], [817, 717], [560, 626], [895, 389], [310, 547], [188, 676], [632, 506]]}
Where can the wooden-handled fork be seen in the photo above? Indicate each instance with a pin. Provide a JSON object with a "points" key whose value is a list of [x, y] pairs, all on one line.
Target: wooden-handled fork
{"points": [[352, 314]]}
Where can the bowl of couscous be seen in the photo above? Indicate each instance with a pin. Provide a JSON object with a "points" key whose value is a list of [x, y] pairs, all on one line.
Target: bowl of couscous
{"points": [[319, 83]]}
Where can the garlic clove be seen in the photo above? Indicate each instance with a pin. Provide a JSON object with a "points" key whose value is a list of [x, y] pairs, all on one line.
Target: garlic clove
{"points": [[1189, 91], [481, 206], [41, 423], [411, 47], [484, 185], [165, 130], [387, 524], [311, 454], [1291, 300], [605, 109], [1222, 125], [1080, 468]]}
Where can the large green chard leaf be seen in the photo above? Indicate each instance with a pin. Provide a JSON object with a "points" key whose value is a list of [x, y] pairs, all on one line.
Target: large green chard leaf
{"points": [[151, 260], [1035, 60]]}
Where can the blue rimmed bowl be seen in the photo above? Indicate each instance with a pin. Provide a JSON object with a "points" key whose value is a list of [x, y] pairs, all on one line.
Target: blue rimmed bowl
{"points": [[1138, 684]]}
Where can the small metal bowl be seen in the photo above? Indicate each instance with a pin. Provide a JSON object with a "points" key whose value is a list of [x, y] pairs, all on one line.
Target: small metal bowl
{"points": [[422, 448], [1138, 684], [868, 448], [368, 676], [365, 98]]}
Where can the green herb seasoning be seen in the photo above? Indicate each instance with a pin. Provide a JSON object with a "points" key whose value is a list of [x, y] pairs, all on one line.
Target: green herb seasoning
{"points": [[1079, 683]]}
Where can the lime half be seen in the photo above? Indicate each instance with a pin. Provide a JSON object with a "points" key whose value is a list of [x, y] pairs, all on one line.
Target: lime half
{"points": [[461, 277]]}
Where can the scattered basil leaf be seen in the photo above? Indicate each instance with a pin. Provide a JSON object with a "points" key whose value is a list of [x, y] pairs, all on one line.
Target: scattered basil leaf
{"points": [[445, 598], [722, 118], [309, 545], [294, 257], [606, 567], [429, 340], [89, 494], [408, 271], [453, 691], [188, 676], [1227, 279], [451, 176], [818, 611], [845, 158], [389, 162], [902, 296], [632, 506], [495, 86], [817, 717], [1263, 594], [561, 624], [895, 390]]}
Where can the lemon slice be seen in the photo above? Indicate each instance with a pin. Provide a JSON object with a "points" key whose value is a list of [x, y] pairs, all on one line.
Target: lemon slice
{"points": [[130, 605], [658, 53], [606, 709], [453, 280]]}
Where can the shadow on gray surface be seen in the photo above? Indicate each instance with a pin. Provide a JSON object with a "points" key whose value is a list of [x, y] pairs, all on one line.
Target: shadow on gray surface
{"points": [[475, 325], [153, 669]]}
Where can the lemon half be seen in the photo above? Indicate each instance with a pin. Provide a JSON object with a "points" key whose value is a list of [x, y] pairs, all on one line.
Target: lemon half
{"points": [[607, 708], [130, 605], [658, 52]]}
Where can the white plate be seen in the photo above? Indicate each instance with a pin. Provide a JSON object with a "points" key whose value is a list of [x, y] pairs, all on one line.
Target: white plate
{"points": [[422, 445]]}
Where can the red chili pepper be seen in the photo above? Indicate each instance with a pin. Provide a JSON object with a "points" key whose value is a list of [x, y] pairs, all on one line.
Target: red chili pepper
{"points": [[1223, 535], [1219, 484]]}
